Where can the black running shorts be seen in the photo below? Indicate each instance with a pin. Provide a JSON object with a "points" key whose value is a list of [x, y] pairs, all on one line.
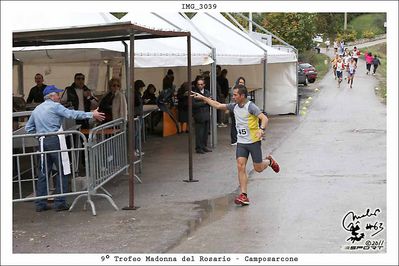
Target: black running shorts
{"points": [[243, 150]]}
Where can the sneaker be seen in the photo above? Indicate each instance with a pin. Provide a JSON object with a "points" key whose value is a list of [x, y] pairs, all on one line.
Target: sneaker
{"points": [[234, 144], [241, 200], [222, 125], [63, 207], [273, 164]]}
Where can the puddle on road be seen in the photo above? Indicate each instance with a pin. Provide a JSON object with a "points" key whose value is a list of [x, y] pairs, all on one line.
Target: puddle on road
{"points": [[208, 211]]}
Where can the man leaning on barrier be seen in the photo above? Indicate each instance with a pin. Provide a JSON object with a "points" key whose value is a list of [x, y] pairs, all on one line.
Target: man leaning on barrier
{"points": [[46, 118]]}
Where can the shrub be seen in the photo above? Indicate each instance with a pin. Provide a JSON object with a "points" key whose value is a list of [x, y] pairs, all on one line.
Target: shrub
{"points": [[347, 35], [368, 34]]}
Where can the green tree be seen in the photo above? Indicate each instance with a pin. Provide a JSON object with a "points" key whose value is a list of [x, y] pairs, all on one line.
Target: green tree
{"points": [[329, 24], [243, 22], [297, 29]]}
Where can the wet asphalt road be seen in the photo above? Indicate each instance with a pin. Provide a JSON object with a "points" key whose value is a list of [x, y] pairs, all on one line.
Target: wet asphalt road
{"points": [[333, 163]]}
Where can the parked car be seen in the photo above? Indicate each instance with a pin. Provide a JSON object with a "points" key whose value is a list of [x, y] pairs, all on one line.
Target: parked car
{"points": [[309, 71]]}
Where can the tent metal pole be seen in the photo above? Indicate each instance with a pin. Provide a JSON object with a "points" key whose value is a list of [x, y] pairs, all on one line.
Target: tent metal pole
{"points": [[126, 57], [213, 86], [236, 22], [264, 81], [198, 30], [190, 114], [131, 128], [250, 22], [21, 78]]}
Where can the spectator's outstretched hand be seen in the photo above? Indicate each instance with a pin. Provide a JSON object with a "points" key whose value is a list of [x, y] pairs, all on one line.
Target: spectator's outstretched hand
{"points": [[98, 115]]}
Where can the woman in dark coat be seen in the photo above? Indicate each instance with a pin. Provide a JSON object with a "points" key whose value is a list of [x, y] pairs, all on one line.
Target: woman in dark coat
{"points": [[149, 95], [182, 97]]}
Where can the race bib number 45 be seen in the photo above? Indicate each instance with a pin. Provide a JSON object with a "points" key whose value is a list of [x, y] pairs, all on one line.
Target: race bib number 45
{"points": [[242, 132]]}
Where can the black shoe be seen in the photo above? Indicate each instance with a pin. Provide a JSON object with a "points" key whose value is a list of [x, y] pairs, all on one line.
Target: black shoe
{"points": [[42, 209], [206, 149], [63, 207], [200, 151]]}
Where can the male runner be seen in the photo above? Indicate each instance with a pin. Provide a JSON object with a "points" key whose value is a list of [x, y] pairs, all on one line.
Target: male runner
{"points": [[249, 135]]}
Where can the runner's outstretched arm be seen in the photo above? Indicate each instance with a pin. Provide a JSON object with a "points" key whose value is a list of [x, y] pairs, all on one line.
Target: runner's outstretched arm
{"points": [[209, 101]]}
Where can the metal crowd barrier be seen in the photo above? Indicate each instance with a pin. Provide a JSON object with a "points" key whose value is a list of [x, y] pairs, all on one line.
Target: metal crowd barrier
{"points": [[27, 159], [105, 156]]}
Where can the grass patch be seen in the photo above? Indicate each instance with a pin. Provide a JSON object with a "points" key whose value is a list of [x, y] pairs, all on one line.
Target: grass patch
{"points": [[381, 51], [317, 60], [373, 22]]}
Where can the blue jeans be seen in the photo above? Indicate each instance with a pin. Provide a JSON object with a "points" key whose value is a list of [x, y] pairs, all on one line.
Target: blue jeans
{"points": [[51, 143]]}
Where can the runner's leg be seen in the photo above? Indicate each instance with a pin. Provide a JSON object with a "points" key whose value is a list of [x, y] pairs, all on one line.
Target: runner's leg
{"points": [[242, 174]]}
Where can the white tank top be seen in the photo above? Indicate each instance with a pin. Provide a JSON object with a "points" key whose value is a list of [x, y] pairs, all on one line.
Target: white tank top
{"points": [[247, 121]]}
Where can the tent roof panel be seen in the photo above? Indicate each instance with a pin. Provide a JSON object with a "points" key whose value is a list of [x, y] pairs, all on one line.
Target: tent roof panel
{"points": [[84, 34], [219, 29]]}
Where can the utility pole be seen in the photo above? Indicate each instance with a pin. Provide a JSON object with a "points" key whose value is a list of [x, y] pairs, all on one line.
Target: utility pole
{"points": [[250, 22], [345, 20]]}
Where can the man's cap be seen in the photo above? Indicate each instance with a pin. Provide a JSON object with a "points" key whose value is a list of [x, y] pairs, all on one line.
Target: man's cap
{"points": [[50, 89]]}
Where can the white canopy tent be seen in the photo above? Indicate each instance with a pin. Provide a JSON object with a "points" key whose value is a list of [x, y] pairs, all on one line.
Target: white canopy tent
{"points": [[159, 54], [281, 87], [166, 52], [101, 60], [59, 63]]}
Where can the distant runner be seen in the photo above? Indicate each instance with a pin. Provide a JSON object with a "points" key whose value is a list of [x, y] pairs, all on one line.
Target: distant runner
{"points": [[351, 71], [249, 135], [340, 69]]}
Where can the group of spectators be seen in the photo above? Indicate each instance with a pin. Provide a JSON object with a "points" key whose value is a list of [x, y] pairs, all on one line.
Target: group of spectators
{"points": [[80, 98], [113, 104]]}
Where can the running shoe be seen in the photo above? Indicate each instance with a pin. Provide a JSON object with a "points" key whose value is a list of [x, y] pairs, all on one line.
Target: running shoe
{"points": [[273, 164], [241, 200]]}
